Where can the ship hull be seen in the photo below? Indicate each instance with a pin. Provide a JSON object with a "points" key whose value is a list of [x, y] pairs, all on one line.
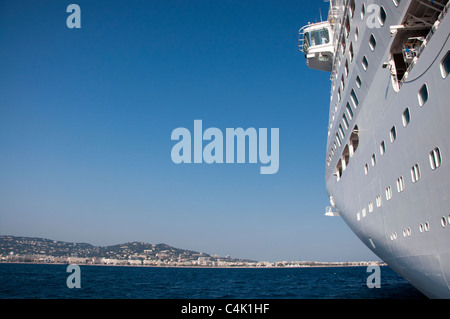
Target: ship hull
{"points": [[393, 188]]}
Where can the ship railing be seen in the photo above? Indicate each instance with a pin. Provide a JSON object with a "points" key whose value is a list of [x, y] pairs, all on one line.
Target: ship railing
{"points": [[339, 34], [433, 29]]}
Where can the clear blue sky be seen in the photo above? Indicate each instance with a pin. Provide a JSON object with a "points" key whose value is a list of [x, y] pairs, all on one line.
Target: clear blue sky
{"points": [[86, 117]]}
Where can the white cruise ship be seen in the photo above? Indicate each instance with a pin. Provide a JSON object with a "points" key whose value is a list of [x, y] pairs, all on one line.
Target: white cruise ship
{"points": [[388, 149]]}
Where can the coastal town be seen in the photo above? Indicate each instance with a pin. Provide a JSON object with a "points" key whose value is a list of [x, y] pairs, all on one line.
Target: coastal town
{"points": [[15, 249]]}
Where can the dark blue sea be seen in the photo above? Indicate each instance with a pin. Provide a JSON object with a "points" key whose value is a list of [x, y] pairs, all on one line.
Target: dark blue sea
{"points": [[48, 281]]}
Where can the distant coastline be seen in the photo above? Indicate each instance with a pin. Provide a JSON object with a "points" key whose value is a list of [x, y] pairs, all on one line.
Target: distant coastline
{"points": [[316, 265], [32, 250]]}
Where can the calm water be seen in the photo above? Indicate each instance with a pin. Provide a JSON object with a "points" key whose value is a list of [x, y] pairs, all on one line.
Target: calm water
{"points": [[105, 282]]}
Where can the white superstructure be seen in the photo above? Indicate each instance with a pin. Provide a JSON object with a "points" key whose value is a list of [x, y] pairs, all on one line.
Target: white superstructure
{"points": [[388, 149]]}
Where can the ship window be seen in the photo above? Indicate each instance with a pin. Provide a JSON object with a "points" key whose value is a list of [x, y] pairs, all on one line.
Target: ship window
{"points": [[372, 42], [358, 81], [346, 68], [406, 117], [443, 222], [382, 16], [354, 98], [345, 157], [339, 170], [350, 51], [423, 95], [365, 63], [374, 161], [388, 193], [339, 95], [366, 169], [349, 111], [415, 173], [335, 146], [363, 11], [338, 139], [382, 148], [341, 131], [354, 140], [400, 184], [378, 200], [345, 121], [356, 33], [342, 82], [445, 65], [435, 158], [352, 7], [343, 45], [396, 2], [370, 207], [347, 27], [393, 134], [358, 216], [317, 37], [363, 212]]}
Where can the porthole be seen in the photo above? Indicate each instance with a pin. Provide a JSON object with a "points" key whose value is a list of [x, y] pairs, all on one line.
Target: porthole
{"points": [[400, 184], [426, 226], [382, 16], [358, 81], [374, 161], [349, 110], [350, 51], [423, 95], [443, 222], [435, 158], [393, 134], [338, 140], [363, 11], [372, 42], [415, 173], [366, 169], [365, 63], [445, 65], [346, 68], [352, 8], [388, 193], [345, 121], [354, 98], [378, 200], [341, 131], [421, 228], [356, 34], [406, 117], [382, 148], [370, 207]]}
